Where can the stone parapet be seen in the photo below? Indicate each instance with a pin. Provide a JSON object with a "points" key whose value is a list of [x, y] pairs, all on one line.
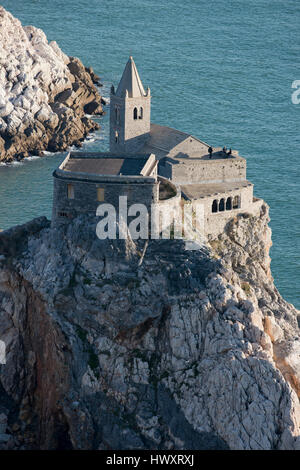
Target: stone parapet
{"points": [[201, 171]]}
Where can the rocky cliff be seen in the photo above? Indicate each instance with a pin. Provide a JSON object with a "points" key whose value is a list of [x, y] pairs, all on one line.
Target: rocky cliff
{"points": [[178, 350], [44, 94]]}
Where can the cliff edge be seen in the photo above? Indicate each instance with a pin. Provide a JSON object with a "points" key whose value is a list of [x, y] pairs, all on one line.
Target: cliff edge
{"points": [[44, 94], [180, 350]]}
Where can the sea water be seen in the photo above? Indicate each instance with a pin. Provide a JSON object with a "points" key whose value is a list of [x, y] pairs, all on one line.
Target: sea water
{"points": [[221, 70]]}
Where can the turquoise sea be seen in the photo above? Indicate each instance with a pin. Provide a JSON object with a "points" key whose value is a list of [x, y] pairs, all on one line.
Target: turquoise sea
{"points": [[221, 70]]}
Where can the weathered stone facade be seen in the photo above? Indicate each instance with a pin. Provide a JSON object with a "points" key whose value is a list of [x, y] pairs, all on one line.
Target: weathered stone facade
{"points": [[129, 112], [128, 134], [204, 171], [211, 177], [77, 192]]}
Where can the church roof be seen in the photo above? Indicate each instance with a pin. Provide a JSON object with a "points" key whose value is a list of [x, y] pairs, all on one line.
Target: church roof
{"points": [[173, 143], [168, 142], [130, 81], [108, 164]]}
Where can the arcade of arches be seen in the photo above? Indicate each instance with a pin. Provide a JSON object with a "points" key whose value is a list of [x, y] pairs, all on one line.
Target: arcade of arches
{"points": [[226, 204]]}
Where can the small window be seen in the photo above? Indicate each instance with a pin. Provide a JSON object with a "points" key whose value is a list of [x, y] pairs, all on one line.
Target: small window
{"points": [[117, 137], [229, 204], [135, 113], [100, 194], [222, 205], [236, 202], [63, 214], [214, 207], [70, 191], [141, 113], [117, 114]]}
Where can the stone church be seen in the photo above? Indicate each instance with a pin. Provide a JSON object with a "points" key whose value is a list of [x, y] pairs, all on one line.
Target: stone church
{"points": [[150, 163]]}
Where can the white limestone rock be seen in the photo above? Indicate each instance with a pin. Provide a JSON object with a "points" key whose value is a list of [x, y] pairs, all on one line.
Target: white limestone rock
{"points": [[149, 361], [32, 74]]}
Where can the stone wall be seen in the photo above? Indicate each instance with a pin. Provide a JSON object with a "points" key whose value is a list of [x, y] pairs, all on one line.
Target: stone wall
{"points": [[116, 126], [200, 170], [132, 133], [213, 171], [169, 209], [215, 222], [137, 131], [138, 190], [150, 168]]}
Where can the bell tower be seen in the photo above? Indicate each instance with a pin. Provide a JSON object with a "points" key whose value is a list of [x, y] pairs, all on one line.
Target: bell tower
{"points": [[129, 112]]}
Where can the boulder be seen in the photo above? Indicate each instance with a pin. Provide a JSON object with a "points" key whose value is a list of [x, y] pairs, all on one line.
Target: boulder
{"points": [[36, 77]]}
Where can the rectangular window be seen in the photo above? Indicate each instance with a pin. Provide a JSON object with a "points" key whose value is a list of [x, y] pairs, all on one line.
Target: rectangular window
{"points": [[70, 191], [236, 202], [100, 194]]}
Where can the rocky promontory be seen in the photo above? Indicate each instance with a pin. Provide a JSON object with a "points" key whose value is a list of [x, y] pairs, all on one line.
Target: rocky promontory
{"points": [[121, 345], [45, 96]]}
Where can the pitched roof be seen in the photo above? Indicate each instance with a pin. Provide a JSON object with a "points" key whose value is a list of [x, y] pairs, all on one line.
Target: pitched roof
{"points": [[168, 141], [130, 81]]}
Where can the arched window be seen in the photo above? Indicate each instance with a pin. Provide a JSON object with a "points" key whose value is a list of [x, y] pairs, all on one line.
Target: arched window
{"points": [[214, 207], [135, 113], [222, 205], [117, 137], [236, 202], [229, 204], [141, 113]]}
